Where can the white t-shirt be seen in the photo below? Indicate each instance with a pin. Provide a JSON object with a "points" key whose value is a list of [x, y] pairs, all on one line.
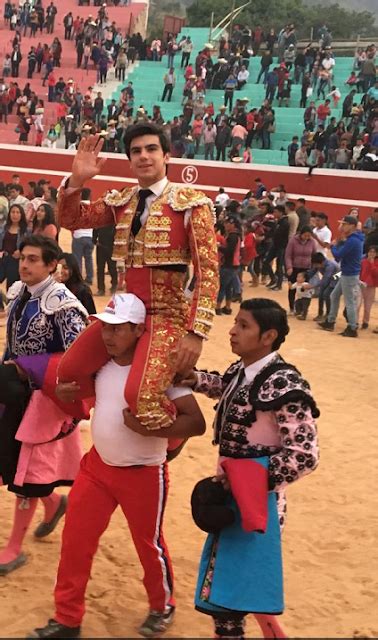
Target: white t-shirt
{"points": [[222, 199], [325, 235], [115, 443], [301, 293], [83, 233]]}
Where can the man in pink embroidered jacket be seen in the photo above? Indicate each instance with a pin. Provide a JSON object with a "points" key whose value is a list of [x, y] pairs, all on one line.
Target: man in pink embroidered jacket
{"points": [[265, 407], [265, 410]]}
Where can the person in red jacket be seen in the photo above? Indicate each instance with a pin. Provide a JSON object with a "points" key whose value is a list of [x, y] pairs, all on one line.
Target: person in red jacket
{"points": [[323, 112], [249, 253], [369, 276]]}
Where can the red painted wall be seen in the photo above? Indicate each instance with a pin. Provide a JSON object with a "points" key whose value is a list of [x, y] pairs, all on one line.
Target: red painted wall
{"points": [[331, 191]]}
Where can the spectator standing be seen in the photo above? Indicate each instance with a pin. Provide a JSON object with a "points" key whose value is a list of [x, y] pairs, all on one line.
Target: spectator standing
{"points": [[242, 77], [327, 269], [229, 89], [368, 72], [303, 294], [103, 239], [98, 107], [298, 255], [277, 250], [11, 235], [222, 140], [292, 150], [32, 62], [156, 49], [186, 48], [347, 251], [16, 58], [265, 62], [44, 222], [371, 223], [323, 112], [271, 83], [51, 12], [369, 278], [69, 274], [68, 25], [303, 213], [169, 84], [322, 233], [230, 263], [342, 156], [121, 64], [292, 217], [82, 245], [209, 137]]}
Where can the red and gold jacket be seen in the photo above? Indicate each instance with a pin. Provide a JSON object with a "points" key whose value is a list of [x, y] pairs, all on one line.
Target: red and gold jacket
{"points": [[179, 230]]}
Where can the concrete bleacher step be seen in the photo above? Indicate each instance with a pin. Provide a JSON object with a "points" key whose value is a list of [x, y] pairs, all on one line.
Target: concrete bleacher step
{"points": [[148, 87]]}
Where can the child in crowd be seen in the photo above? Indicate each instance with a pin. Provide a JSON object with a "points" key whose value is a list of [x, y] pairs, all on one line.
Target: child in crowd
{"points": [[369, 278], [303, 295], [335, 95]]}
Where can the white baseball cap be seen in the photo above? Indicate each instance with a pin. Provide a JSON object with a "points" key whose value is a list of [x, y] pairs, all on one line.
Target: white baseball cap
{"points": [[123, 307]]}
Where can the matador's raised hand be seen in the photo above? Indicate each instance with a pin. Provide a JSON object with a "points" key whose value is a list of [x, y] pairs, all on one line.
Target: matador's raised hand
{"points": [[86, 163]]}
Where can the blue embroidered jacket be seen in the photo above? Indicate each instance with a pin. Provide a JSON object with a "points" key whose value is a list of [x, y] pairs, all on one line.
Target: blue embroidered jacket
{"points": [[50, 321]]}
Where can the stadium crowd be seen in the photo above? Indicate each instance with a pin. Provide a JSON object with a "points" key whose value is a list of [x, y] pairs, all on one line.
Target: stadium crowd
{"points": [[229, 132], [275, 239], [268, 235]]}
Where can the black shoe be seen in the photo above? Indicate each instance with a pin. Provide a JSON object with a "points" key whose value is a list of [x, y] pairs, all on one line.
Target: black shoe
{"points": [[157, 622], [300, 316], [318, 318], [218, 312], [54, 629], [364, 325], [237, 299], [327, 326], [349, 332], [113, 290], [45, 528], [270, 284], [276, 288], [226, 311], [100, 292]]}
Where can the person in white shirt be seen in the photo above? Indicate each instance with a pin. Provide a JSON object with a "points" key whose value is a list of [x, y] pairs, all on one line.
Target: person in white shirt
{"points": [[303, 295], [126, 466], [186, 48], [322, 233], [243, 76], [15, 196], [222, 197], [357, 152]]}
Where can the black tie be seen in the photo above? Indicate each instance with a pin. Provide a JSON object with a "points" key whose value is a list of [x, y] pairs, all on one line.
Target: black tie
{"points": [[233, 390], [21, 304], [136, 224], [224, 404]]}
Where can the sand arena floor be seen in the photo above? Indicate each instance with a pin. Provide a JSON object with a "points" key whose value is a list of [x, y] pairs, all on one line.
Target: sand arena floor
{"points": [[330, 541]]}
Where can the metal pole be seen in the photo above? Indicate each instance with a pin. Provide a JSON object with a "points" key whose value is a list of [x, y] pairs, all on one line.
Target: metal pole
{"points": [[312, 34], [232, 17], [211, 25]]}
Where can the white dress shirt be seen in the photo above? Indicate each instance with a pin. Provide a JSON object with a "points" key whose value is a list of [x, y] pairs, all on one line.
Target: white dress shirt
{"points": [[253, 369], [157, 189]]}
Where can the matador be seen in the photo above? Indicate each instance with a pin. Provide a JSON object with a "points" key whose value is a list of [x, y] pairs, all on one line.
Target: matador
{"points": [[161, 229]]}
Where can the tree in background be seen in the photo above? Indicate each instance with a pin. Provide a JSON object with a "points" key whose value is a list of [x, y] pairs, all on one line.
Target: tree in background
{"points": [[277, 13]]}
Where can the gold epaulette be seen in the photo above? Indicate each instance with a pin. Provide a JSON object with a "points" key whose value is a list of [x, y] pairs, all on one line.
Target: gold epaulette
{"points": [[116, 198], [183, 198]]}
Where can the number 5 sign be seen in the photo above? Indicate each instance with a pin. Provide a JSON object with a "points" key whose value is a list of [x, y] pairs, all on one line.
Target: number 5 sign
{"points": [[189, 174]]}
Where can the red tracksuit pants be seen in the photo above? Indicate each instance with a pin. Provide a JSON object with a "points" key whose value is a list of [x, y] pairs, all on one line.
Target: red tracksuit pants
{"points": [[98, 490]]}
